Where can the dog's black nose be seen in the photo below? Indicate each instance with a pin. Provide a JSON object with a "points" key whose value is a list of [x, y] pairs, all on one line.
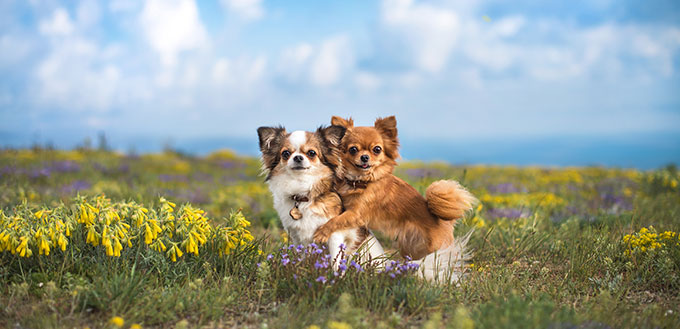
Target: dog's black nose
{"points": [[298, 158], [365, 158]]}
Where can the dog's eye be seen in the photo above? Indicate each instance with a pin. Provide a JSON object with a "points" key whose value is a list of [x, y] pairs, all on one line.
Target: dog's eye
{"points": [[311, 153], [377, 149], [353, 150], [285, 155]]}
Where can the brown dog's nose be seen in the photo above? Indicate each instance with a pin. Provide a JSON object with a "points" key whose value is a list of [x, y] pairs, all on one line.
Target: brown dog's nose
{"points": [[298, 158], [365, 158]]}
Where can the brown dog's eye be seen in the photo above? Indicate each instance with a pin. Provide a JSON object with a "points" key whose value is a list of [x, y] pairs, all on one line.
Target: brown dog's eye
{"points": [[353, 150], [377, 149], [311, 153], [285, 155]]}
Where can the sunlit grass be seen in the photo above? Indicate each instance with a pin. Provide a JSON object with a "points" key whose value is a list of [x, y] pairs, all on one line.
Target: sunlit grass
{"points": [[99, 239]]}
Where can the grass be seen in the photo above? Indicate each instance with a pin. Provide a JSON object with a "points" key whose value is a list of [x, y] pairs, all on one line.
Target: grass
{"points": [[550, 250]]}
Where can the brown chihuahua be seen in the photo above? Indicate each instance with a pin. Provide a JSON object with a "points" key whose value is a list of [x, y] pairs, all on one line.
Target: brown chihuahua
{"points": [[373, 197]]}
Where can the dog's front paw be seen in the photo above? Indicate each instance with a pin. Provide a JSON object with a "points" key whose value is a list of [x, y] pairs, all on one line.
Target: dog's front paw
{"points": [[322, 234]]}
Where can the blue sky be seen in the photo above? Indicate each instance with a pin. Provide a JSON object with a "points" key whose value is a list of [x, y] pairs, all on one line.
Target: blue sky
{"points": [[464, 75]]}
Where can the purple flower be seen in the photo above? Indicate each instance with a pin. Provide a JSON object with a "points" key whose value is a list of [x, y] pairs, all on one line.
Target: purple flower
{"points": [[423, 172], [285, 261], [75, 186], [356, 266], [313, 245], [321, 279], [259, 264], [65, 166], [342, 267], [506, 213], [342, 247], [392, 275], [270, 256], [318, 265], [43, 172], [503, 188]]}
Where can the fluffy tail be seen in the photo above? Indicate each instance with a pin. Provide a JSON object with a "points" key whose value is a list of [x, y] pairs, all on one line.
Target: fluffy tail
{"points": [[448, 200], [446, 265]]}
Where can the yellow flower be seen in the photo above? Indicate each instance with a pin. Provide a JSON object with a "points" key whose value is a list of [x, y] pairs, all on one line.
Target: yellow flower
{"points": [[23, 249], [338, 325], [117, 321], [44, 247], [135, 326], [62, 242]]}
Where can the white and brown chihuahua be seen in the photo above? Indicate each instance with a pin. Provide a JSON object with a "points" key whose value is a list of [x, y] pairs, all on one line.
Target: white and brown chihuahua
{"points": [[300, 173]]}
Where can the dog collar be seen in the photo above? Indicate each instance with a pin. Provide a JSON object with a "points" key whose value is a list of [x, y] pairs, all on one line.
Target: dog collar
{"points": [[295, 212], [299, 198], [357, 183]]}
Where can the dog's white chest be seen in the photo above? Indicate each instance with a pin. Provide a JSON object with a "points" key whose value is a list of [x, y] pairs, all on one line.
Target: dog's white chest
{"points": [[300, 231]]}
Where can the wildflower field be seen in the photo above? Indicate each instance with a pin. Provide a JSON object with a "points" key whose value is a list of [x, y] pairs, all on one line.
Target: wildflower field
{"points": [[98, 239]]}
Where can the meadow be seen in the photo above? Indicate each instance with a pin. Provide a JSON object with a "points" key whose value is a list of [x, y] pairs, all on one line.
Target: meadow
{"points": [[98, 239]]}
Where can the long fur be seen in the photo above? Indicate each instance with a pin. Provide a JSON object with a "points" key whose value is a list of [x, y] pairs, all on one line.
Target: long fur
{"points": [[448, 200], [422, 227], [285, 179], [446, 265]]}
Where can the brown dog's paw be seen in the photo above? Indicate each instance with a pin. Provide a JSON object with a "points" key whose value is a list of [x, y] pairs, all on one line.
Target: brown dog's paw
{"points": [[322, 234]]}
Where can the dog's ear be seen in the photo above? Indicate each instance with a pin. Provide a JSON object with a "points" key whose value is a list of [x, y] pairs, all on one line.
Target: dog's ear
{"points": [[388, 129], [387, 126], [338, 121], [331, 138], [332, 135], [271, 141]]}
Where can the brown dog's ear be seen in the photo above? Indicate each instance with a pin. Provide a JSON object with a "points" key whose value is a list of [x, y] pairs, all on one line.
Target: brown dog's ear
{"points": [[338, 121], [331, 137], [271, 141], [388, 129], [387, 126]]}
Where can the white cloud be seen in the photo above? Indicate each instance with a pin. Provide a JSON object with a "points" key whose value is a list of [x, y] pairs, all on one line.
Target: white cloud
{"points": [[321, 65], [295, 62], [171, 27], [220, 71], [472, 77], [73, 77], [432, 54], [241, 73], [508, 26], [123, 6], [331, 61], [430, 31], [59, 24], [21, 46], [367, 81], [248, 9], [88, 13]]}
